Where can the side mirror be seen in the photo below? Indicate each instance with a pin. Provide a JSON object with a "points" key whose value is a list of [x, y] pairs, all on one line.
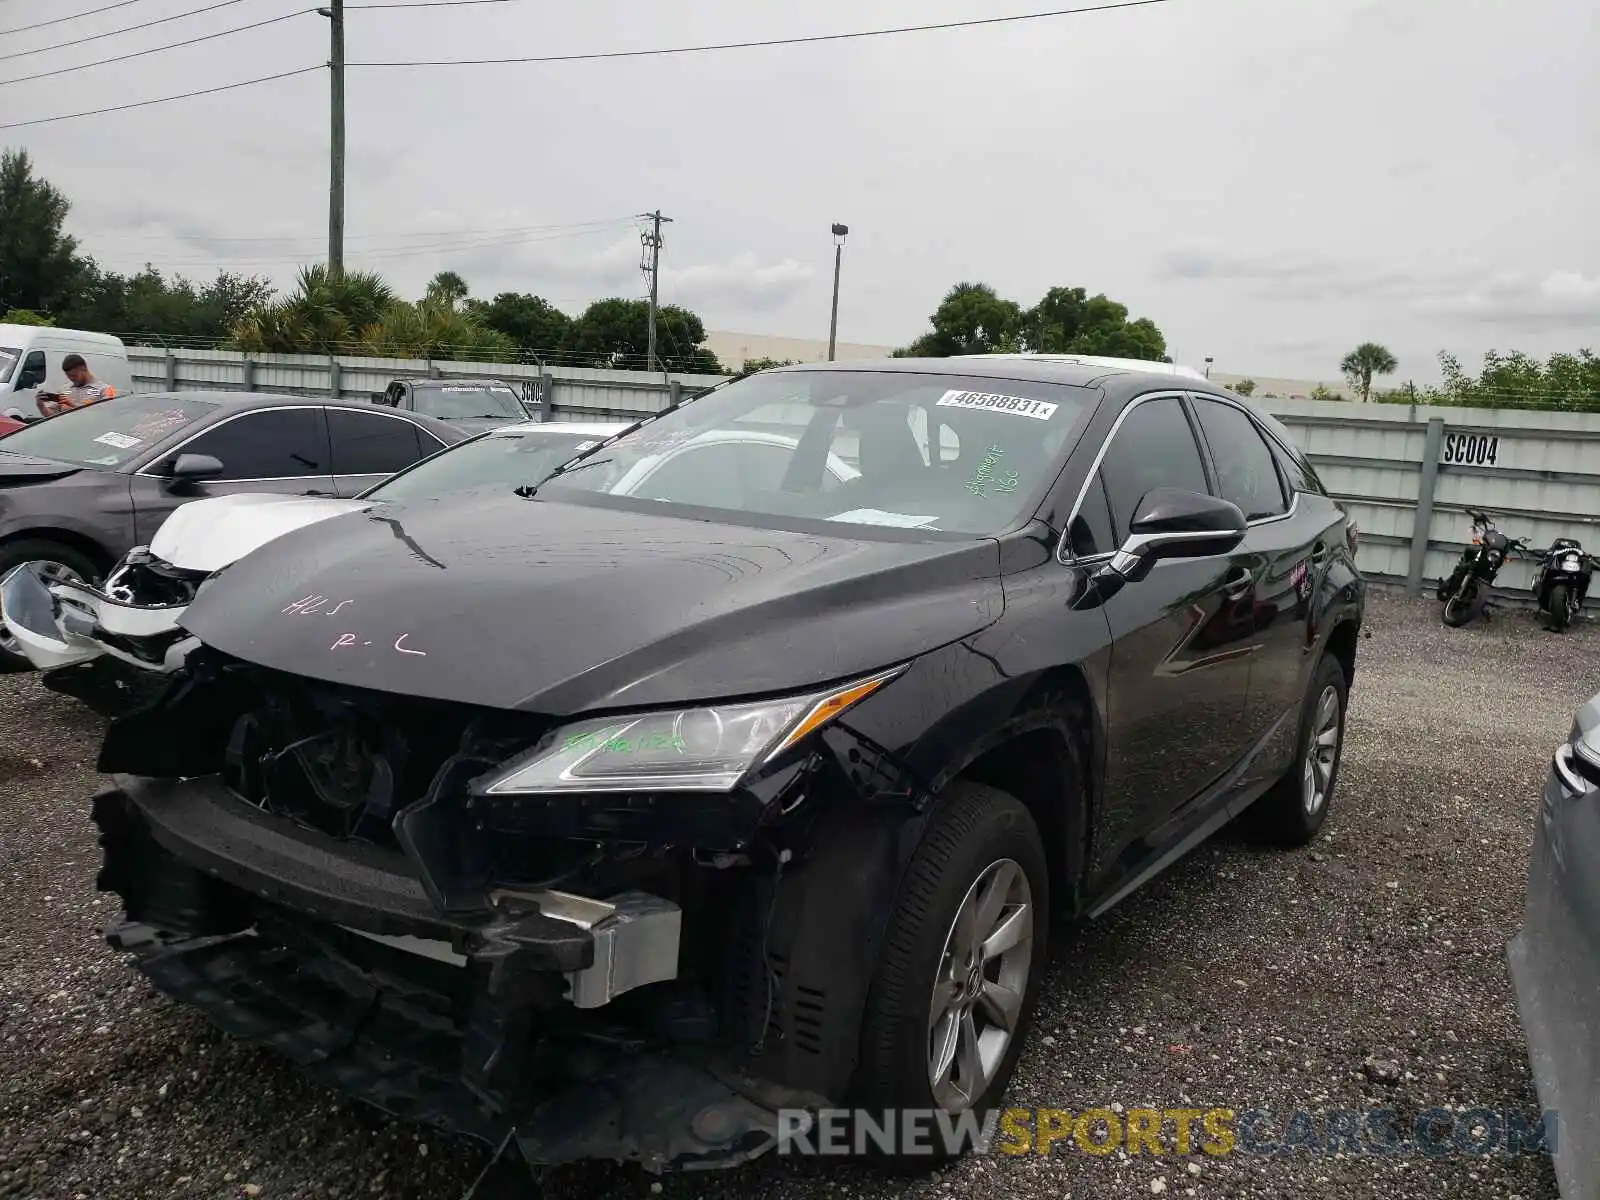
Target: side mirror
{"points": [[1168, 523], [190, 467], [31, 377]]}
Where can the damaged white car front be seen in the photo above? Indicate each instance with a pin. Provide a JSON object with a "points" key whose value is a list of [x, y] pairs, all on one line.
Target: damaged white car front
{"points": [[111, 645]]}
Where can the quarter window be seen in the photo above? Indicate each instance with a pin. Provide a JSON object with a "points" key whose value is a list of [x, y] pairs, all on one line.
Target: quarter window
{"points": [[277, 443], [1154, 448], [1246, 473]]}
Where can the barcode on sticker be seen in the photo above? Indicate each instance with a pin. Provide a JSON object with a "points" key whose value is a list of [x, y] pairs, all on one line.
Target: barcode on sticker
{"points": [[1021, 406]]}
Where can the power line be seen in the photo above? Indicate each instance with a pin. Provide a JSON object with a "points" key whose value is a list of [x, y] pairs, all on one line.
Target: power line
{"points": [[62, 20], [205, 37], [225, 87], [95, 37], [609, 222], [380, 252], [427, 4], [752, 45]]}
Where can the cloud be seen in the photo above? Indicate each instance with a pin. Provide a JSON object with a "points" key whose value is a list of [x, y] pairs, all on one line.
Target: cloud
{"points": [[1558, 300], [744, 281]]}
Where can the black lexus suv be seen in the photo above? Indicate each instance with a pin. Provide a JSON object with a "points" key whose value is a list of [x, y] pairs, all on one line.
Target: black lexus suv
{"points": [[743, 765]]}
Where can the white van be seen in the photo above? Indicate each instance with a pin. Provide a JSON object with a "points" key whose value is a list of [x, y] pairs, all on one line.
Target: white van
{"points": [[30, 361]]}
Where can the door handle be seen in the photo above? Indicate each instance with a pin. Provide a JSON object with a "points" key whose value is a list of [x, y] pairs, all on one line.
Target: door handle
{"points": [[313, 492], [1239, 584]]}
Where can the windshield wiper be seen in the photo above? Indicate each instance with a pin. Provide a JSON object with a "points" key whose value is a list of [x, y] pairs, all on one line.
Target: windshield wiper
{"points": [[528, 490]]}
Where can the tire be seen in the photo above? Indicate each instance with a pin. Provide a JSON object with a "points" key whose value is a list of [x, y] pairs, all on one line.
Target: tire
{"points": [[1286, 814], [14, 554], [978, 837], [1464, 605], [1560, 607]]}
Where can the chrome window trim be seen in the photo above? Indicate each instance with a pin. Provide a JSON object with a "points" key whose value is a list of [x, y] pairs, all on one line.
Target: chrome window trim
{"points": [[323, 408], [1064, 554]]}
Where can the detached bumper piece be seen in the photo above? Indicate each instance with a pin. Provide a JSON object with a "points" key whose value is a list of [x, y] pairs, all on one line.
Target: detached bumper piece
{"points": [[492, 1024]]}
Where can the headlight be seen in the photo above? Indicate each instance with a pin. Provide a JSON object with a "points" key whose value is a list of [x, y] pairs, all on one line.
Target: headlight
{"points": [[685, 750], [1570, 563]]}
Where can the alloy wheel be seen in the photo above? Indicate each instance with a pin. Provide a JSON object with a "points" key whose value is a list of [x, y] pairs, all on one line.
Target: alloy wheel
{"points": [[979, 989], [49, 572], [1322, 751]]}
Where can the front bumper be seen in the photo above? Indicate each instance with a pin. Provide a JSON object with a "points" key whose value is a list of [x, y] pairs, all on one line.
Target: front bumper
{"points": [[495, 1024], [65, 624], [1555, 965]]}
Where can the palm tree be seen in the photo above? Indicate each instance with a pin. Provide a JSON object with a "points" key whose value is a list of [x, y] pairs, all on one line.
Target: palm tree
{"points": [[1365, 361]]}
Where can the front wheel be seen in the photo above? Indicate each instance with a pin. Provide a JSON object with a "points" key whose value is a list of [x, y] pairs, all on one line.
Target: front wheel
{"points": [[1464, 605], [963, 958], [1560, 607]]}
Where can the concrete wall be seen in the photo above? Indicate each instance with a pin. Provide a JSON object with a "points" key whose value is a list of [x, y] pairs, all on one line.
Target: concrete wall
{"points": [[1407, 473]]}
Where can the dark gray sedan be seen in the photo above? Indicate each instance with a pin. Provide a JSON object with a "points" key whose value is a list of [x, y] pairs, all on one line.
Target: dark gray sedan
{"points": [[1555, 956], [80, 490]]}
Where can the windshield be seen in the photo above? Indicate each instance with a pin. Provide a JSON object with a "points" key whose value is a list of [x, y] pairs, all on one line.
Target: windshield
{"points": [[930, 451], [8, 362], [110, 433], [497, 460], [456, 400]]}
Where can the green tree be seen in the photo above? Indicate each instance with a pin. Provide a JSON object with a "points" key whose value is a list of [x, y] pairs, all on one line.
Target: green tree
{"points": [[535, 325], [1245, 387], [616, 333], [1070, 321], [753, 366], [37, 260], [971, 319], [326, 314], [1564, 382], [1362, 363], [447, 287], [24, 316], [1321, 393], [434, 328]]}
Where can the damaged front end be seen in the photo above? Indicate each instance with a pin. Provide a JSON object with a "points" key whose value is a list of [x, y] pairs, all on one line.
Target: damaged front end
{"points": [[643, 976], [112, 647]]}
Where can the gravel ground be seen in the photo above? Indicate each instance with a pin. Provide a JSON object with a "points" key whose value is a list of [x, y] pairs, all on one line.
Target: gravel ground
{"points": [[1243, 979]]}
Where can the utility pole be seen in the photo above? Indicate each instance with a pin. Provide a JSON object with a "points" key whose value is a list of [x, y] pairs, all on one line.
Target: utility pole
{"points": [[651, 266], [839, 232], [335, 14]]}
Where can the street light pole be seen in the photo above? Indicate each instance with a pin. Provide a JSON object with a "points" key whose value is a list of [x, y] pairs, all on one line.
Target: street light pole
{"points": [[1208, 368], [839, 233]]}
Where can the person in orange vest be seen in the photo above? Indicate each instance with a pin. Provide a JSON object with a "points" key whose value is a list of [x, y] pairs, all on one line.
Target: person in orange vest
{"points": [[85, 389]]}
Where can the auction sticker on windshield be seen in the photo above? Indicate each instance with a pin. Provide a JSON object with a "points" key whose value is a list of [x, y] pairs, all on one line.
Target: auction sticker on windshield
{"points": [[1019, 406], [120, 440]]}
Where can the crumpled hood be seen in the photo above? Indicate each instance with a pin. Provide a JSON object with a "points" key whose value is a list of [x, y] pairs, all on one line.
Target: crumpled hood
{"points": [[207, 535], [562, 608]]}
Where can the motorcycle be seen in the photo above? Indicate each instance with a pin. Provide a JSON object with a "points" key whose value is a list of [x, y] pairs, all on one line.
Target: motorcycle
{"points": [[1562, 582], [1465, 593]]}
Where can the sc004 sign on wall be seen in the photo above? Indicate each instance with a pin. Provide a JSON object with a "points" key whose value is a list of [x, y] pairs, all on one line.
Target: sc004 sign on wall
{"points": [[1471, 449]]}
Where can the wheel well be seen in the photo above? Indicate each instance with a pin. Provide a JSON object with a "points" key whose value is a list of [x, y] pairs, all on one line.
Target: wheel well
{"points": [[86, 546], [1042, 769], [1342, 645]]}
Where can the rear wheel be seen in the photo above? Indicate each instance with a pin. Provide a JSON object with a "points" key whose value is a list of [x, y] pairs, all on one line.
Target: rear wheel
{"points": [[1294, 810], [54, 563], [963, 958], [1560, 607]]}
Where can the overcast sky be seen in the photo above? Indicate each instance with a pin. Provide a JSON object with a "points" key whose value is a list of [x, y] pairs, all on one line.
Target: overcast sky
{"points": [[1271, 181]]}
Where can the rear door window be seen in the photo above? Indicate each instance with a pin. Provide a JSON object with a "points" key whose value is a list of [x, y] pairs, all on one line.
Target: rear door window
{"points": [[372, 443], [1246, 473]]}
